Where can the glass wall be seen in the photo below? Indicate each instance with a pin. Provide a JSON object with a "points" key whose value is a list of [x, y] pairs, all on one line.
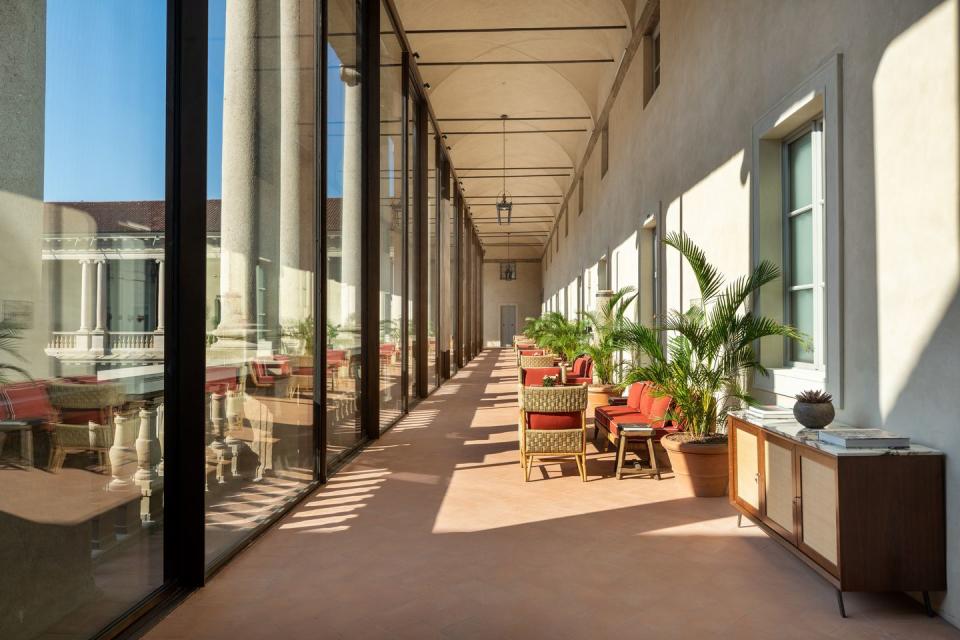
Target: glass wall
{"points": [[344, 218], [260, 270], [432, 256], [82, 223], [392, 219], [413, 252]]}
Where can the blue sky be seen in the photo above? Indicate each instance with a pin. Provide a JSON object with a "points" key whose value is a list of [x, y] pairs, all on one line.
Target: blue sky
{"points": [[106, 95]]}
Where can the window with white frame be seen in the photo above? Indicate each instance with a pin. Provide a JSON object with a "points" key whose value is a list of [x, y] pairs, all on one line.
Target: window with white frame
{"points": [[803, 242]]}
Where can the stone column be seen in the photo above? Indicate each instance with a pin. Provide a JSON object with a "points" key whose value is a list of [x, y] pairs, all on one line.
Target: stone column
{"points": [[291, 162], [101, 296], [352, 215], [238, 246], [148, 458], [86, 283], [161, 293]]}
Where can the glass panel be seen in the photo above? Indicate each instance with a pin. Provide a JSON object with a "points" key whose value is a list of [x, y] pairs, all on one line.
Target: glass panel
{"points": [[801, 317], [260, 277], [82, 223], [801, 249], [800, 153], [391, 222], [344, 217], [413, 254], [433, 260]]}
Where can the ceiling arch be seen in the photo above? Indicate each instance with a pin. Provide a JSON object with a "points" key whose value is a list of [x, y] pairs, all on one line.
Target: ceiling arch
{"points": [[546, 64]]}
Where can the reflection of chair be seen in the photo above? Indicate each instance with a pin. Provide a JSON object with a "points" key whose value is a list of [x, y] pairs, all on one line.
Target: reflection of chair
{"points": [[553, 424], [336, 359], [387, 353]]}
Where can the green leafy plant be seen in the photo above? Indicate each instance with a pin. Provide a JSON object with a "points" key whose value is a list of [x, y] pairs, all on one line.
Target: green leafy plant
{"points": [[303, 331], [562, 336], [390, 331], [9, 340], [333, 330], [814, 396], [550, 381], [608, 323], [710, 347]]}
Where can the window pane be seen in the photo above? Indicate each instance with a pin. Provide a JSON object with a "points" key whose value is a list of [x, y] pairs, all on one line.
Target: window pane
{"points": [[344, 217], [260, 274], [801, 317], [801, 249], [391, 222], [433, 262], [82, 226], [414, 255], [800, 153]]}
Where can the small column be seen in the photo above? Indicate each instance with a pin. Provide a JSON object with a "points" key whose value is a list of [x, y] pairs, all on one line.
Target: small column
{"points": [[161, 292], [101, 296], [85, 286], [122, 454], [160, 434], [219, 448]]}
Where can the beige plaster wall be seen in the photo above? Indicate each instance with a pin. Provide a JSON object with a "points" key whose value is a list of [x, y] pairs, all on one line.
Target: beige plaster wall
{"points": [[688, 153], [523, 292]]}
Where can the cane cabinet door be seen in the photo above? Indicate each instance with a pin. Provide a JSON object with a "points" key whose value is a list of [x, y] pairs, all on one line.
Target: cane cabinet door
{"points": [[746, 442], [818, 534], [779, 486]]}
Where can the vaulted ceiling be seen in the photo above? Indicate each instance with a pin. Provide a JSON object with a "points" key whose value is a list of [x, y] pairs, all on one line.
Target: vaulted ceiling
{"points": [[547, 65]]}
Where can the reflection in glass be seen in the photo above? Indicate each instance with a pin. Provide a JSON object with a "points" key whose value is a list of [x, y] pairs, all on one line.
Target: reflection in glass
{"points": [[801, 248], [801, 172], [260, 278], [433, 260], [82, 222], [413, 255], [392, 217], [343, 228], [801, 314]]}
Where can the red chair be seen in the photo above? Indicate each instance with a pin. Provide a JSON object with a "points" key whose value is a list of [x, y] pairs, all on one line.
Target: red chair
{"points": [[582, 371], [221, 379], [553, 424]]}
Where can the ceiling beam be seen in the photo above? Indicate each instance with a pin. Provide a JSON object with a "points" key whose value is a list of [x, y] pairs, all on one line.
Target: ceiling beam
{"points": [[521, 175], [597, 27], [489, 63], [511, 168], [498, 119], [496, 197], [500, 133]]}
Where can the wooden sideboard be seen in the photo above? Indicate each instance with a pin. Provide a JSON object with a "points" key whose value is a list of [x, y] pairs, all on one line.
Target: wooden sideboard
{"points": [[864, 519]]}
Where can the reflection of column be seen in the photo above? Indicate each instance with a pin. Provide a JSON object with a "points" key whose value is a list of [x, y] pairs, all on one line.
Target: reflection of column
{"points": [[161, 279], [238, 255], [85, 286], [352, 215], [290, 162], [101, 296]]}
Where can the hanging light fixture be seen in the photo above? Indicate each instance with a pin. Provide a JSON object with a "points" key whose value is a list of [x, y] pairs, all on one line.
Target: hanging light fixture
{"points": [[508, 269], [504, 204]]}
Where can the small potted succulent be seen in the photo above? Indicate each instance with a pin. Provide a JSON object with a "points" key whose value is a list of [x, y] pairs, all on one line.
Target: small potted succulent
{"points": [[814, 409], [551, 381]]}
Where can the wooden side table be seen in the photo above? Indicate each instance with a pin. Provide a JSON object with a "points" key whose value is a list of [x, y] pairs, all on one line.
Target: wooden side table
{"points": [[631, 433]]}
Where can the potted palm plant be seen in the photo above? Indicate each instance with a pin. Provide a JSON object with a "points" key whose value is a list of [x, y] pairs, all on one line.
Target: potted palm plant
{"points": [[561, 336], [709, 353], [607, 325]]}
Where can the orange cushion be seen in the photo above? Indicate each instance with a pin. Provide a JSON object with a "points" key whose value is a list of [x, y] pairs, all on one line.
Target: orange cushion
{"points": [[635, 394], [658, 410], [534, 376], [29, 401], [569, 420]]}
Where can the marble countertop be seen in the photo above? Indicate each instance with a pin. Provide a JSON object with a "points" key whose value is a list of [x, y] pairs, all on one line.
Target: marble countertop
{"points": [[793, 430]]}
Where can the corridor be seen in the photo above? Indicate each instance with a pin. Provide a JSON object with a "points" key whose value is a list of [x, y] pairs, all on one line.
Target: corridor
{"points": [[432, 533]]}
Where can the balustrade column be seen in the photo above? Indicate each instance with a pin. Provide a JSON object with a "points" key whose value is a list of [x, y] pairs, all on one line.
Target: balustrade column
{"points": [[85, 285]]}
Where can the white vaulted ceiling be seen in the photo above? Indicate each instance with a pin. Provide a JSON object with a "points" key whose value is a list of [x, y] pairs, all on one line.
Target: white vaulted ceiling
{"points": [[547, 65]]}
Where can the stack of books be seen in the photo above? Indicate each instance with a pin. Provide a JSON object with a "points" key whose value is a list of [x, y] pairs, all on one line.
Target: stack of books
{"points": [[864, 439], [769, 412]]}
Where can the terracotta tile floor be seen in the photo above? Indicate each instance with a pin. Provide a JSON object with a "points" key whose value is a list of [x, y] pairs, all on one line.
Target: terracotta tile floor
{"points": [[431, 533]]}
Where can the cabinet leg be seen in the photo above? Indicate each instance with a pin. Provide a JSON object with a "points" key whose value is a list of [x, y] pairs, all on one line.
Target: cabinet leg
{"points": [[926, 604], [739, 520], [843, 611]]}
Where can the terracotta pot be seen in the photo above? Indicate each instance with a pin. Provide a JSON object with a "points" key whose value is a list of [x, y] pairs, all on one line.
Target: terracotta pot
{"points": [[598, 395], [700, 466], [813, 416]]}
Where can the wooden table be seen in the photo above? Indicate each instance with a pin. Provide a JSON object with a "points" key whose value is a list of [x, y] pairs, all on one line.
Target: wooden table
{"points": [[634, 432]]}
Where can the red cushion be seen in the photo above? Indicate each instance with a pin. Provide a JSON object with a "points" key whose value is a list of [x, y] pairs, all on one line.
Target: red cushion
{"points": [[554, 420], [635, 394], [579, 365], [646, 400], [535, 375], [588, 368], [658, 410], [614, 411], [578, 380], [29, 401]]}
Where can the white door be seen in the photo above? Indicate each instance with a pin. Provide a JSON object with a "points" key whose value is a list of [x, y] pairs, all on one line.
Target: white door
{"points": [[508, 324]]}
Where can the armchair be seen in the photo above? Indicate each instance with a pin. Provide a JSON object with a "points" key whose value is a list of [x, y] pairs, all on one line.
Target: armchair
{"points": [[553, 425]]}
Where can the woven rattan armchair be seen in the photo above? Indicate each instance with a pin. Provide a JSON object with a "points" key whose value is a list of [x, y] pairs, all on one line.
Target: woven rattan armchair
{"points": [[535, 362], [553, 425]]}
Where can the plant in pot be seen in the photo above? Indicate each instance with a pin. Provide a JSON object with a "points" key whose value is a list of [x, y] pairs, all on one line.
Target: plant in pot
{"points": [[561, 336], [603, 343], [709, 352], [814, 409], [9, 340]]}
